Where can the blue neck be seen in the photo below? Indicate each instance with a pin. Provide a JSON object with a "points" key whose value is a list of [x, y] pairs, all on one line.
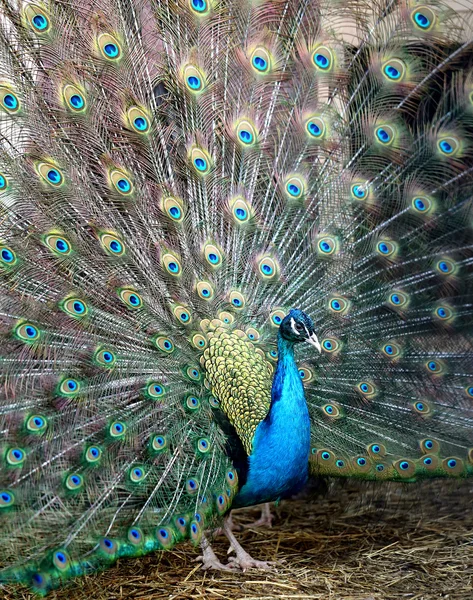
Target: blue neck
{"points": [[278, 465]]}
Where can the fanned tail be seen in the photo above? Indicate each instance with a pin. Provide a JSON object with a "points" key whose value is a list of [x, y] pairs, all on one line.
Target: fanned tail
{"points": [[175, 169]]}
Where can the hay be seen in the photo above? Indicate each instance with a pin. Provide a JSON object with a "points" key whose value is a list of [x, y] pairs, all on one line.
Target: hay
{"points": [[356, 542]]}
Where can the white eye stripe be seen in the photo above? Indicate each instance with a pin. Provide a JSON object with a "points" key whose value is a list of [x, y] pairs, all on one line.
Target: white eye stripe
{"points": [[293, 326], [307, 331]]}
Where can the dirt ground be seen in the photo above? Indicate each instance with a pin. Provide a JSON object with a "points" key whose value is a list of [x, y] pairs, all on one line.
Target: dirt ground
{"points": [[352, 542]]}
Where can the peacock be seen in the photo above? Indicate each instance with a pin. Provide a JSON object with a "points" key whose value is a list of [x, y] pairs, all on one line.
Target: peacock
{"points": [[236, 252]]}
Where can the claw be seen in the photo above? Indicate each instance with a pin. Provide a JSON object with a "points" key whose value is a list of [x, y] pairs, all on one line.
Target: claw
{"points": [[248, 562], [209, 559], [242, 560]]}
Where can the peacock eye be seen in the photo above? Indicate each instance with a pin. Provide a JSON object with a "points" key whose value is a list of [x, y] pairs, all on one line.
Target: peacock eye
{"points": [[298, 326]]}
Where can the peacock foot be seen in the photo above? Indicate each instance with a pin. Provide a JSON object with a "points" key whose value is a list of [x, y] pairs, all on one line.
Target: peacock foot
{"points": [[242, 560], [245, 561], [265, 519], [209, 559]]}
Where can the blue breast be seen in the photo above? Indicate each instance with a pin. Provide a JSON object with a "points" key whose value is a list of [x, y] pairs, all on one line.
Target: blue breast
{"points": [[278, 465]]}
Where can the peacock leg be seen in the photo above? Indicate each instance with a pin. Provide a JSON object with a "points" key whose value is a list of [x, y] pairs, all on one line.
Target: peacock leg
{"points": [[265, 519], [209, 559], [242, 560]]}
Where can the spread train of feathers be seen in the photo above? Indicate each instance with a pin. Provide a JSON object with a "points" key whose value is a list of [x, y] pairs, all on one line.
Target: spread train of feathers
{"points": [[176, 176]]}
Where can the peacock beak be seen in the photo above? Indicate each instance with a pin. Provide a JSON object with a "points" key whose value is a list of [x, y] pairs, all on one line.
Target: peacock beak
{"points": [[313, 341]]}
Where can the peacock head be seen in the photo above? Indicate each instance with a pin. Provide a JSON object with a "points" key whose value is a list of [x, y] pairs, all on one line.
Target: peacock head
{"points": [[297, 326]]}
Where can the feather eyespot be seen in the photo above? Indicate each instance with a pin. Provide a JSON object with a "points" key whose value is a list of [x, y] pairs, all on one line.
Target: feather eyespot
{"points": [[165, 537], [268, 268], [391, 350], [138, 120], [36, 424], [174, 208], [338, 305], [331, 345], [423, 18], [375, 450], [358, 191], [226, 317], [232, 478], [74, 98], [3, 183], [366, 389], [27, 332], [135, 536], [295, 187], [332, 410], [108, 546], [204, 446], [429, 446], [155, 390], [200, 160], [443, 313], [241, 210], [121, 183], [448, 145], [387, 248], [205, 290], [7, 256], [105, 358], [385, 134], [261, 61], [93, 454], [61, 560], [422, 205], [15, 457], [435, 367], [445, 266], [37, 19], [194, 79], [117, 429], [74, 307], [9, 101], [315, 127], [327, 245], [213, 256], [394, 70], [74, 482], [398, 299], [237, 300], [164, 344], [306, 374], [200, 7], [245, 133], [50, 174], [159, 443], [453, 465], [193, 373], [69, 387], [192, 486], [172, 264], [192, 403], [7, 499], [58, 244], [112, 244], [109, 47], [131, 298], [253, 334], [136, 474], [322, 58], [182, 314]]}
